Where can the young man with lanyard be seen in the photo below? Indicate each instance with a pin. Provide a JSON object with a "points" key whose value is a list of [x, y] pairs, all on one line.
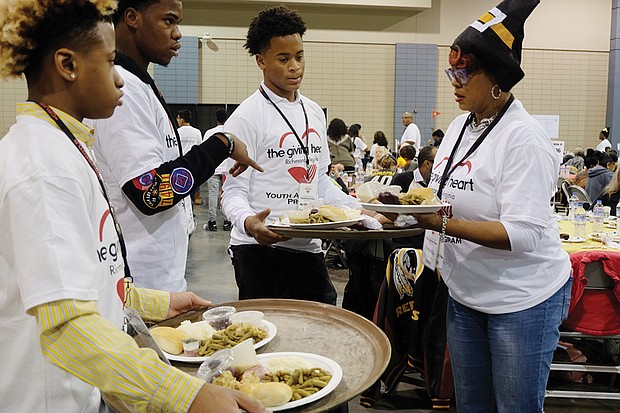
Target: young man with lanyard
{"points": [[63, 276], [139, 151], [286, 132]]}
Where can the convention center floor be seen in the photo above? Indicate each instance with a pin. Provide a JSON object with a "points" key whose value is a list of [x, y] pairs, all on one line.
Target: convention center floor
{"points": [[210, 275]]}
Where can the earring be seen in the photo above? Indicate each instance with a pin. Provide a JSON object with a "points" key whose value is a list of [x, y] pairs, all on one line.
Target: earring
{"points": [[499, 93], [72, 76]]}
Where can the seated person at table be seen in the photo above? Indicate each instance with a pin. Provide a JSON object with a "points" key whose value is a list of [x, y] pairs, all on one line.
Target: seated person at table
{"points": [[611, 193], [407, 154], [422, 174], [386, 170], [598, 177]]}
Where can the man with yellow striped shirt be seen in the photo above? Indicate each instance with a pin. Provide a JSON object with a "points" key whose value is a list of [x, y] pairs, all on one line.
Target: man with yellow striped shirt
{"points": [[62, 272]]}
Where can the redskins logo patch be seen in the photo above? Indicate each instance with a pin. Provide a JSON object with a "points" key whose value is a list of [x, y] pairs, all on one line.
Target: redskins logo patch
{"points": [[181, 180], [143, 182]]}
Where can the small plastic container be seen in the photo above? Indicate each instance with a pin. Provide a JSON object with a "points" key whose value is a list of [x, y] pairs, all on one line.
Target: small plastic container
{"points": [[250, 317], [219, 317], [215, 365], [191, 347]]}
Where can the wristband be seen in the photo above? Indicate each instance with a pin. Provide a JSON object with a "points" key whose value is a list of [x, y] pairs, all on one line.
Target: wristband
{"points": [[231, 142], [444, 224]]}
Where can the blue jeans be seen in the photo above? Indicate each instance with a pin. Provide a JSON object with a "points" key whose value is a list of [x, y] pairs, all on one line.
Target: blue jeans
{"points": [[501, 362]]}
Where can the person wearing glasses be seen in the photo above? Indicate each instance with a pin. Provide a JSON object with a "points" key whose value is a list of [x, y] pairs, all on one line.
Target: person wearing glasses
{"points": [[507, 275]]}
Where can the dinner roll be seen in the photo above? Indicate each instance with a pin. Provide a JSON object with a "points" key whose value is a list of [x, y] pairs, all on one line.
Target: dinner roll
{"points": [[169, 339], [273, 394], [332, 213]]}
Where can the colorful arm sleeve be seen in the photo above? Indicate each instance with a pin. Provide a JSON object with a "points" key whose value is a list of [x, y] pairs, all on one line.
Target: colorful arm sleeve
{"points": [[163, 187]]}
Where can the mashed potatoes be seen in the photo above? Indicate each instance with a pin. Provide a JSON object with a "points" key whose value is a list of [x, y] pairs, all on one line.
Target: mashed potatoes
{"points": [[198, 331]]}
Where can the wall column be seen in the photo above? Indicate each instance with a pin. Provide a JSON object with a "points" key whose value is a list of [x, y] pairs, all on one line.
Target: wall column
{"points": [[613, 84]]}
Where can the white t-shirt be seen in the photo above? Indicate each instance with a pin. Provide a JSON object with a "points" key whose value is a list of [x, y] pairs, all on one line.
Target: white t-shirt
{"points": [[603, 145], [190, 136], [360, 147], [221, 167], [272, 144], [510, 178], [58, 242], [136, 139], [412, 134]]}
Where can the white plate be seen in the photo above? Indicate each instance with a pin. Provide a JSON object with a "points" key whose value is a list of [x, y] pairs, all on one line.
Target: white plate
{"points": [[573, 240], [403, 209], [327, 225], [325, 363], [611, 225], [271, 333]]}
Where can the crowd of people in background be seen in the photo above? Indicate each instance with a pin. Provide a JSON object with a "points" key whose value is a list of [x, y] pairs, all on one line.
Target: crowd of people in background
{"points": [[595, 170]]}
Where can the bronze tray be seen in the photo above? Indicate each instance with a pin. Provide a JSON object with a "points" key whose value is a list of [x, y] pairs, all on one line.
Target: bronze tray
{"points": [[359, 346], [347, 233]]}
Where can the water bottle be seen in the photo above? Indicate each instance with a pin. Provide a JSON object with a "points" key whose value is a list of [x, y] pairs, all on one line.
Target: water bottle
{"points": [[573, 201], [597, 217], [580, 222]]}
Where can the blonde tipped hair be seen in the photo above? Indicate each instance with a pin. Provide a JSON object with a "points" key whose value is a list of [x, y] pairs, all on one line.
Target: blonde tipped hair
{"points": [[23, 40]]}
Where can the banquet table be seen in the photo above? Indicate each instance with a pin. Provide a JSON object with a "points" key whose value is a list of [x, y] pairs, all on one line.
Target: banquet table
{"points": [[356, 344], [591, 243]]}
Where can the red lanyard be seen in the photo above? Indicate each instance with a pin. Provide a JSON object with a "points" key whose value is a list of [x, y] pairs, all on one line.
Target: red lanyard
{"points": [[80, 148]]}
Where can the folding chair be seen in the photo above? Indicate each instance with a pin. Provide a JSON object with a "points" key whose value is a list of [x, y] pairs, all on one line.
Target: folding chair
{"points": [[581, 194], [594, 318]]}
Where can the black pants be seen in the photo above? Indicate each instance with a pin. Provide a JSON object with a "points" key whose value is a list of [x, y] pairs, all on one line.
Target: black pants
{"points": [[269, 272]]}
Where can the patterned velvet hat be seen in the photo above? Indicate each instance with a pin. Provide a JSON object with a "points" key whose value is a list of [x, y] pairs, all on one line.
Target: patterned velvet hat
{"points": [[495, 40]]}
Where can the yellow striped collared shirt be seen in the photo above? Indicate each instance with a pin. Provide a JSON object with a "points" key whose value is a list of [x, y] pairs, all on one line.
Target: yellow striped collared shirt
{"points": [[76, 338]]}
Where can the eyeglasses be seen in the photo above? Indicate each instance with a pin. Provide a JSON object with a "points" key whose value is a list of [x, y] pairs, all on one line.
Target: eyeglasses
{"points": [[459, 74]]}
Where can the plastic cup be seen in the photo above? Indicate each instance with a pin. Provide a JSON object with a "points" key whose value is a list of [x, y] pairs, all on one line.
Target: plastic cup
{"points": [[219, 317], [249, 317], [215, 365]]}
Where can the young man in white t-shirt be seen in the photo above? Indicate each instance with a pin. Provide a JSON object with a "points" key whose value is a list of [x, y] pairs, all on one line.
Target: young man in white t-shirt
{"points": [[278, 125], [190, 137], [139, 154]]}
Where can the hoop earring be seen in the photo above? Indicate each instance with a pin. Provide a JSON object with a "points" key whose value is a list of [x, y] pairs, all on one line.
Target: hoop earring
{"points": [[499, 93]]}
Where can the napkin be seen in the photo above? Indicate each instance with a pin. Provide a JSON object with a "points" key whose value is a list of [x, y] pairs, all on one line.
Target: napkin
{"points": [[370, 223]]}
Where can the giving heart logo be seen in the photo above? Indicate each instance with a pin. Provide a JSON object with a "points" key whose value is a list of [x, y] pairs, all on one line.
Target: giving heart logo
{"points": [[301, 175]]}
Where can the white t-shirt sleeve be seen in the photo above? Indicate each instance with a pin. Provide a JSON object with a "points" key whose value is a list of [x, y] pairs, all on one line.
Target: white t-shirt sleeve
{"points": [[54, 248], [523, 193], [131, 137], [236, 191]]}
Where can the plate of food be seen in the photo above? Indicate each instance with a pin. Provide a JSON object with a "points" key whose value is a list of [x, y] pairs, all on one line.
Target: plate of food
{"points": [[418, 200], [285, 380], [574, 240], [327, 225], [203, 340], [323, 217]]}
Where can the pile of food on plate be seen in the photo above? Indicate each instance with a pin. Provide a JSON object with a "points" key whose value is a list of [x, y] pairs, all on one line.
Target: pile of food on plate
{"points": [[322, 214], [201, 339], [415, 196], [276, 381]]}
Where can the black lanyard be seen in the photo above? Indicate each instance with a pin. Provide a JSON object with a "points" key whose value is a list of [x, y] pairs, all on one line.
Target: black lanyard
{"points": [[126, 63], [449, 167], [94, 167], [303, 148]]}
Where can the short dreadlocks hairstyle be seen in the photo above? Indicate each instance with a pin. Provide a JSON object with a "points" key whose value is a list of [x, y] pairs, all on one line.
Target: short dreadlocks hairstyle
{"points": [[32, 29], [277, 21]]}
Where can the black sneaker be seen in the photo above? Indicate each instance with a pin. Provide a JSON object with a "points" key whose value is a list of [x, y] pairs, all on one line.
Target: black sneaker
{"points": [[212, 226], [227, 226]]}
